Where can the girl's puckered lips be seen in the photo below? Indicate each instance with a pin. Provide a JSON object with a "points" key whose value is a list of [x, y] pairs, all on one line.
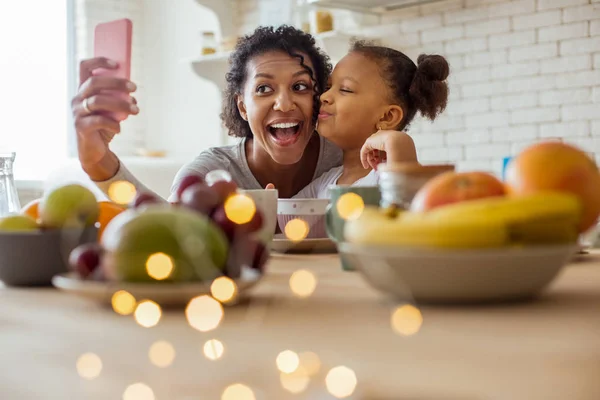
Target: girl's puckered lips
{"points": [[324, 114]]}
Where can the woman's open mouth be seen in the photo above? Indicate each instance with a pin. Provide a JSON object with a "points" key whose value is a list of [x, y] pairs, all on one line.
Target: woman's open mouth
{"points": [[285, 133]]}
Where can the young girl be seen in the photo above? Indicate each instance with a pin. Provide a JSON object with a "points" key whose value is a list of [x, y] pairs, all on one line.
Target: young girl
{"points": [[376, 89]]}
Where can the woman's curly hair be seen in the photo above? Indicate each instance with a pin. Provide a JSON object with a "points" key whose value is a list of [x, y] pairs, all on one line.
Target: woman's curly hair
{"points": [[265, 39]]}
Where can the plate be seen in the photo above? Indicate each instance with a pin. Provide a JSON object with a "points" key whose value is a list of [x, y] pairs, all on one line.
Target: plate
{"points": [[281, 244], [459, 276], [164, 293]]}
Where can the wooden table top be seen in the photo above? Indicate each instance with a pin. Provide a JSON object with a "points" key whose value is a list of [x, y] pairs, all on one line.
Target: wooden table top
{"points": [[543, 349]]}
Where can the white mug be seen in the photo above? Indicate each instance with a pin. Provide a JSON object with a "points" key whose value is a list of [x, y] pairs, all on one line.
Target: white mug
{"points": [[265, 201]]}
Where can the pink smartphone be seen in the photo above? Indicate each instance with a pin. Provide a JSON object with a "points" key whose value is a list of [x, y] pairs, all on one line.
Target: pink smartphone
{"points": [[113, 40]]}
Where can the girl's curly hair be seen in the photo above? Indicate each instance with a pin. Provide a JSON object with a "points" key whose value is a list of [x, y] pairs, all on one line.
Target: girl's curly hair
{"points": [[265, 39]]}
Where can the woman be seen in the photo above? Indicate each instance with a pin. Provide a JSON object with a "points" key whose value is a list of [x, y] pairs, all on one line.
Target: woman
{"points": [[271, 101]]}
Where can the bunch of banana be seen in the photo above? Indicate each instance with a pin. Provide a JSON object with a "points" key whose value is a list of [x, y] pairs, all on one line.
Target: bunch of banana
{"points": [[549, 217]]}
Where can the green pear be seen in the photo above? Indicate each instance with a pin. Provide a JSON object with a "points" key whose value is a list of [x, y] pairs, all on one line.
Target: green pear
{"points": [[18, 223], [69, 206], [196, 248]]}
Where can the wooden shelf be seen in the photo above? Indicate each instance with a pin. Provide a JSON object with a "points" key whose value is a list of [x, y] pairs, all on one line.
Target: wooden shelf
{"points": [[377, 7]]}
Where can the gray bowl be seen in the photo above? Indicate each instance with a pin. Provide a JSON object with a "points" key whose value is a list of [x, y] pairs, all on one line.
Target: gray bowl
{"points": [[33, 258]]}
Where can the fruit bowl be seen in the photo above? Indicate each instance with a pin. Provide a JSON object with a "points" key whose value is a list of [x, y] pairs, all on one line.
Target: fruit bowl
{"points": [[33, 258], [461, 275]]}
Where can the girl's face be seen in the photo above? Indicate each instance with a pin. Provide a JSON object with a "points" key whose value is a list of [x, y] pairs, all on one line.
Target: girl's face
{"points": [[354, 103], [277, 102]]}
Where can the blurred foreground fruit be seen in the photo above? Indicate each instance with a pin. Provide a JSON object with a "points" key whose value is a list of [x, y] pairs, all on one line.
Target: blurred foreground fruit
{"points": [[142, 198], [559, 167], [68, 206], [108, 210], [18, 223], [200, 198], [184, 243], [550, 217], [32, 209], [451, 187], [186, 182], [85, 258]]}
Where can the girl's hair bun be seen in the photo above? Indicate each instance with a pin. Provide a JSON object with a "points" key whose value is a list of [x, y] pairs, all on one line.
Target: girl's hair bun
{"points": [[429, 90]]}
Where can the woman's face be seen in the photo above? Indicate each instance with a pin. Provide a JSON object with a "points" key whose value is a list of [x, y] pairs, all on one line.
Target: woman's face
{"points": [[277, 102], [356, 99]]}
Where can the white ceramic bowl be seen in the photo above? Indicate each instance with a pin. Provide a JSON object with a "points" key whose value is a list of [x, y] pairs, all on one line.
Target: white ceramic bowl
{"points": [[312, 211], [458, 276]]}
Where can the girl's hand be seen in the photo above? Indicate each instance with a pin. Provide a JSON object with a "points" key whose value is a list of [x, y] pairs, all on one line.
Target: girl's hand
{"points": [[374, 151], [387, 145]]}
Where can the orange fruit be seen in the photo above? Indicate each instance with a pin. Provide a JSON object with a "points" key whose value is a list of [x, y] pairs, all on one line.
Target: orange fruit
{"points": [[31, 209], [556, 166], [108, 210]]}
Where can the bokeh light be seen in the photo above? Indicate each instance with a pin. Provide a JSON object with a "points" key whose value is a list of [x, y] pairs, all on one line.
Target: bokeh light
{"points": [[296, 382], [204, 313], [287, 361], [138, 391], [89, 366], [303, 283], [240, 208], [161, 354], [223, 289], [296, 230], [350, 206], [310, 362], [341, 382], [123, 302], [407, 320], [121, 192], [147, 313], [159, 266], [213, 349], [238, 391]]}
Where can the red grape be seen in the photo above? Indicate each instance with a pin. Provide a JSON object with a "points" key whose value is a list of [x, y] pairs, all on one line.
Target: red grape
{"points": [[254, 224], [261, 256], [224, 189], [188, 181], [228, 227], [142, 198], [200, 197], [246, 251], [85, 258]]}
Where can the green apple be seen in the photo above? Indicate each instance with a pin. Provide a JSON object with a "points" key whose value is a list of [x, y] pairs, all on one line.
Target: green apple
{"points": [[196, 247], [18, 223], [69, 206]]}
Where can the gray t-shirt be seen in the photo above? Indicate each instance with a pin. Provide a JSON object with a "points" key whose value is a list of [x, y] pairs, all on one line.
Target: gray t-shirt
{"points": [[230, 158]]}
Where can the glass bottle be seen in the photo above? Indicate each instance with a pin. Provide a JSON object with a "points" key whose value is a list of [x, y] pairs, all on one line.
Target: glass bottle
{"points": [[9, 199]]}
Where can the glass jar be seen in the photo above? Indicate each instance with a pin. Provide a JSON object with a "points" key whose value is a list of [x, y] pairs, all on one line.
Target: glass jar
{"points": [[9, 198], [208, 43], [322, 21]]}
